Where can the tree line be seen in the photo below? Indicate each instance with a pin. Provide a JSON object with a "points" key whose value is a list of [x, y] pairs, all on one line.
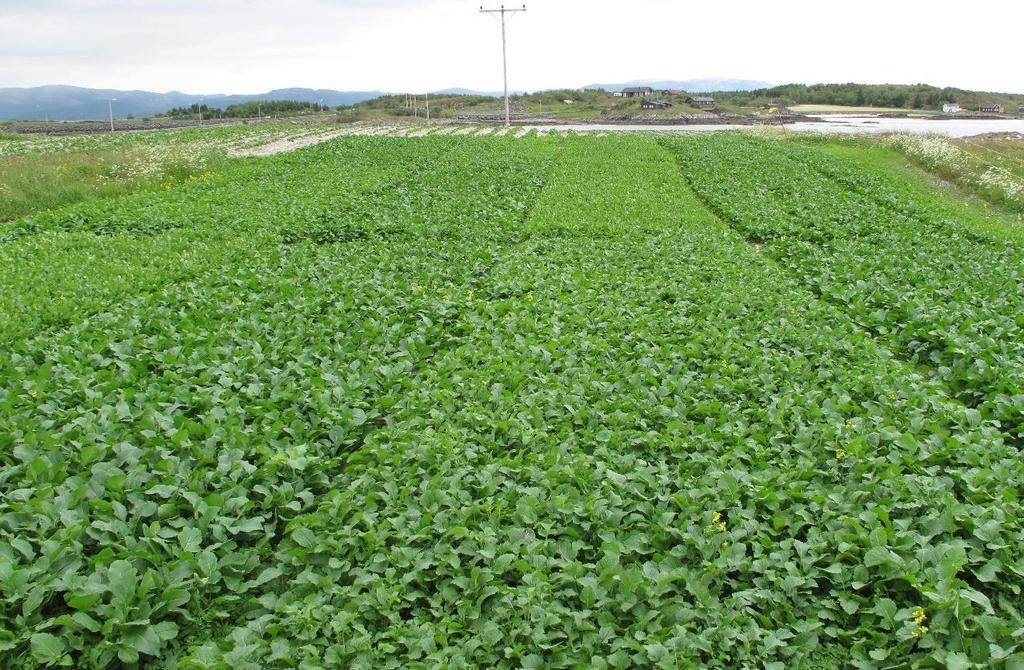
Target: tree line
{"points": [[906, 96], [245, 110]]}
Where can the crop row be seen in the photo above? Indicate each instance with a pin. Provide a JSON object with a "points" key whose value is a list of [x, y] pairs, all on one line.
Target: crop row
{"points": [[941, 293], [59, 266], [216, 137], [155, 453]]}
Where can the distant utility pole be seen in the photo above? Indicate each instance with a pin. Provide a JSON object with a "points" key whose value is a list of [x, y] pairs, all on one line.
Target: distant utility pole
{"points": [[200, 112], [427, 98], [110, 108], [504, 52]]}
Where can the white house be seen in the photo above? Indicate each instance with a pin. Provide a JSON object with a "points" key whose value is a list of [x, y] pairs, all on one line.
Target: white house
{"points": [[951, 108]]}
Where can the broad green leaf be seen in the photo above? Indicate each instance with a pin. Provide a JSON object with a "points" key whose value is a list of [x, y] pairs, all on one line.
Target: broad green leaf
{"points": [[47, 648]]}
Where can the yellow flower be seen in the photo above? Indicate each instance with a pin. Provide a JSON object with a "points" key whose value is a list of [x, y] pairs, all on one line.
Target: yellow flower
{"points": [[841, 454], [716, 519], [919, 617]]}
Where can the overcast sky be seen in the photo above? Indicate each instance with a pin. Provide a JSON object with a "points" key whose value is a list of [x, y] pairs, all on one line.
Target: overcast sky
{"points": [[250, 46]]}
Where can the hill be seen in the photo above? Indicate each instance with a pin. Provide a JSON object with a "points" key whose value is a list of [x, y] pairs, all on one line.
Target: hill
{"points": [[72, 103], [691, 85], [913, 96]]}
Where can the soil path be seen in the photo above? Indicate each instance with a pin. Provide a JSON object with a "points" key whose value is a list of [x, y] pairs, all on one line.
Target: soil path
{"points": [[282, 145]]}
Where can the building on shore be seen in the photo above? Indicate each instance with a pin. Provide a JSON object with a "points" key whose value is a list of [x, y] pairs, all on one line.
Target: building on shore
{"points": [[702, 101], [637, 92]]}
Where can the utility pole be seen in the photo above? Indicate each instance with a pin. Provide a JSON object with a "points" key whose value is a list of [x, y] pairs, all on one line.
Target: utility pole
{"points": [[110, 108], [504, 52], [427, 97], [259, 112]]}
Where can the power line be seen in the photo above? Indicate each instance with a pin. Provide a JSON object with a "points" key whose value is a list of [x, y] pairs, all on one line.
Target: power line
{"points": [[504, 52]]}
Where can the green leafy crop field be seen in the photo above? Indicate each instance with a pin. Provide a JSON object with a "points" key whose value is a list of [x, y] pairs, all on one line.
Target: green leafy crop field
{"points": [[631, 401]]}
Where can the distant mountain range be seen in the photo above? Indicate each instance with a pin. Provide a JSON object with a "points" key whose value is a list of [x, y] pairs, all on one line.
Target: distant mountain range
{"points": [[689, 85], [469, 91], [73, 103]]}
